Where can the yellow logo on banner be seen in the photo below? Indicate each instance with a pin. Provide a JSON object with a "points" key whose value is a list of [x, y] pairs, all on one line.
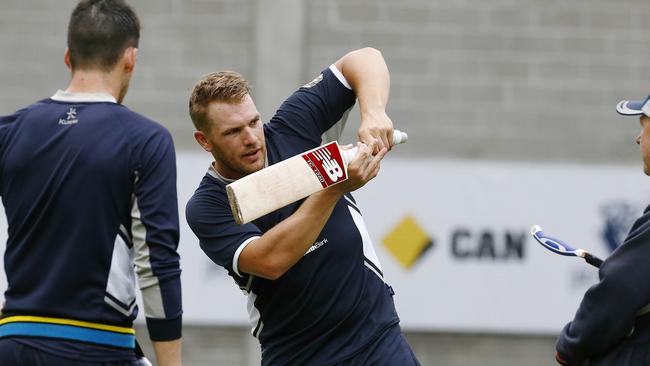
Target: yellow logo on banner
{"points": [[407, 242]]}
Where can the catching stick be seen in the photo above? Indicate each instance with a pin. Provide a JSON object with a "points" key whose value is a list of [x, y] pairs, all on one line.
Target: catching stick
{"points": [[559, 247]]}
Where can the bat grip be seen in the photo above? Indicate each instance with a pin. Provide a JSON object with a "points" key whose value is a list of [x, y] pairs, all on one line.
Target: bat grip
{"points": [[593, 260], [399, 137]]}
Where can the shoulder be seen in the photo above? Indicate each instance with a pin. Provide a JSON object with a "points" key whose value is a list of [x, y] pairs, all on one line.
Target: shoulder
{"points": [[209, 198], [314, 108], [138, 122], [330, 84], [9, 123], [17, 115], [640, 227], [147, 138]]}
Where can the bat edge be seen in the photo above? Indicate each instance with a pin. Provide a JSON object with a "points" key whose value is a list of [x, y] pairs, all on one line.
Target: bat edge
{"points": [[234, 205]]}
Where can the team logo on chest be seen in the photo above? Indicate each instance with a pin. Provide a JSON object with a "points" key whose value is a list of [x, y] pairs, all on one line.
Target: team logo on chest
{"points": [[316, 245]]}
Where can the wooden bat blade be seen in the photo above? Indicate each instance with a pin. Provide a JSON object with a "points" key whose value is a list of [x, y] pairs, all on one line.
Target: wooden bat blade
{"points": [[288, 181]]}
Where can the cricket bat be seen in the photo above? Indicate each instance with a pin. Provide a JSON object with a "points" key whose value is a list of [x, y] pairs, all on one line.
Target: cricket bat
{"points": [[290, 180]]}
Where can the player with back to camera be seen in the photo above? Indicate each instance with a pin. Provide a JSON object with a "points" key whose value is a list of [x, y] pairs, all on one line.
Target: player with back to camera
{"points": [[89, 190], [612, 325], [316, 292]]}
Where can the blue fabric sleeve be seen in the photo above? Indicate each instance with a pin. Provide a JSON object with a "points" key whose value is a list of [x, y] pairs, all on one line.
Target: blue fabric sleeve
{"points": [[210, 218], [607, 312], [5, 124], [314, 108], [156, 194]]}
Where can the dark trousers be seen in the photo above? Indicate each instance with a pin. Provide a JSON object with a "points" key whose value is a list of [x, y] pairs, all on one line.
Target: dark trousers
{"points": [[15, 354]]}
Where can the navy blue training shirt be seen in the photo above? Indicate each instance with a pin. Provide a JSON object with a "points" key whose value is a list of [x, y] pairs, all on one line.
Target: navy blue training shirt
{"points": [[89, 190], [617, 308], [332, 302]]}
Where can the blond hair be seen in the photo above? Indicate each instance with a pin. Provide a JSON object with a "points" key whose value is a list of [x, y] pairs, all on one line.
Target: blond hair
{"points": [[223, 86]]}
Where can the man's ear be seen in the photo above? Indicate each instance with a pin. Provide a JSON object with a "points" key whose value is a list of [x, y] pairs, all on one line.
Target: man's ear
{"points": [[130, 57], [66, 58], [203, 141]]}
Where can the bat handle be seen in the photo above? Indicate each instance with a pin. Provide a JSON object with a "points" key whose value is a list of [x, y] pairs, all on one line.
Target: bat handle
{"points": [[593, 260], [399, 137]]}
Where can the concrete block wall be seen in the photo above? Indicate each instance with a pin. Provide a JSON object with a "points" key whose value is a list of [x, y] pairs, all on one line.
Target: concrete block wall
{"points": [[500, 79], [532, 80], [180, 41], [228, 346]]}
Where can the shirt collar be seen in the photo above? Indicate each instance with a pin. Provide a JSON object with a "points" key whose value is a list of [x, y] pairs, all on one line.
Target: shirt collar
{"points": [[215, 174], [63, 96]]}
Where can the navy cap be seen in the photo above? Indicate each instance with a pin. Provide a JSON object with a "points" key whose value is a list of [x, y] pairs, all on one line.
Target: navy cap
{"points": [[634, 107]]}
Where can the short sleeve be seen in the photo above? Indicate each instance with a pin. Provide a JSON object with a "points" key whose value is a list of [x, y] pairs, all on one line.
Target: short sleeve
{"points": [[6, 123], [210, 218], [315, 107]]}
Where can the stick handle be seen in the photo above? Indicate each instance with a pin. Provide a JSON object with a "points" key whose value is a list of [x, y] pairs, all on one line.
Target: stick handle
{"points": [[399, 137], [593, 260]]}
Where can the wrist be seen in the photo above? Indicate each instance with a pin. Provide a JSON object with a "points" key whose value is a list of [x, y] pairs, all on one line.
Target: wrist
{"points": [[371, 109], [332, 193]]}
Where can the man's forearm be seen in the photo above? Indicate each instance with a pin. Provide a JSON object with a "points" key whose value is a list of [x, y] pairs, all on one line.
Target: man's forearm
{"points": [[272, 254], [366, 72], [281, 247], [168, 353]]}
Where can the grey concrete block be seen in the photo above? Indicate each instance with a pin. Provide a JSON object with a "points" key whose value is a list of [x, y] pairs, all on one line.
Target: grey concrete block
{"points": [[565, 16], [355, 13], [416, 16], [532, 44], [469, 93], [481, 350], [413, 64], [462, 16], [609, 17], [512, 17], [382, 39], [601, 70], [504, 69], [484, 42], [583, 44], [426, 93], [564, 68]]}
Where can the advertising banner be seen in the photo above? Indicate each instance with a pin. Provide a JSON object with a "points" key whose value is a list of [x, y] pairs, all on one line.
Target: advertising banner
{"points": [[453, 238]]}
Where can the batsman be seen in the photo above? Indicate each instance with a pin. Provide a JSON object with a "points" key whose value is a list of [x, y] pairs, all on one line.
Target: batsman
{"points": [[612, 324], [315, 287]]}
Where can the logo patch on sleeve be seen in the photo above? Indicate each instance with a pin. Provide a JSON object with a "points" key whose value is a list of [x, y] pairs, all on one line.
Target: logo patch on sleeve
{"points": [[314, 82]]}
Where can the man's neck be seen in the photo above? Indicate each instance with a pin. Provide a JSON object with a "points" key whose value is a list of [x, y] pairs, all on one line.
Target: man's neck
{"points": [[92, 81]]}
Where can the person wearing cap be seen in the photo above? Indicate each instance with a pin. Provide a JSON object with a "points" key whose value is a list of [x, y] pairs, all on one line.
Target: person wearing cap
{"points": [[612, 324]]}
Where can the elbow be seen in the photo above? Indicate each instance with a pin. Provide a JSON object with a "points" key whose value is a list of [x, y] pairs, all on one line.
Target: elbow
{"points": [[369, 51], [267, 267], [273, 275], [270, 274], [273, 270]]}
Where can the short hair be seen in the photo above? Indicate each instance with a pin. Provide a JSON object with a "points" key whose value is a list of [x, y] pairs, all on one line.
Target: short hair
{"points": [[223, 86], [99, 31]]}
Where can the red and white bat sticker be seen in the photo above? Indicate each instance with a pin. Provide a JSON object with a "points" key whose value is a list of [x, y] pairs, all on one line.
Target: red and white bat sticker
{"points": [[327, 163]]}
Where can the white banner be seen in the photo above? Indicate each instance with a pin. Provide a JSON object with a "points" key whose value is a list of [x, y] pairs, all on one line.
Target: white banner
{"points": [[482, 272]]}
